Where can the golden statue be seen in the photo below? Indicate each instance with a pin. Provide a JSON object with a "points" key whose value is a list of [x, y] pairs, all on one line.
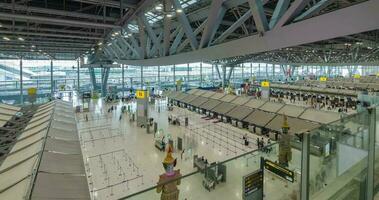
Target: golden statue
{"points": [[285, 153], [167, 184]]}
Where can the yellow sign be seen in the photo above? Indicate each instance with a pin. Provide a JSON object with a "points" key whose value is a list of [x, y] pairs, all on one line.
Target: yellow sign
{"points": [[141, 94], [357, 76], [265, 84], [32, 91], [377, 74], [323, 79]]}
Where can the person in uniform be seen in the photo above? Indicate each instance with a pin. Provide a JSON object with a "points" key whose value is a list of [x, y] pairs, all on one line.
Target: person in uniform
{"points": [[167, 184]]}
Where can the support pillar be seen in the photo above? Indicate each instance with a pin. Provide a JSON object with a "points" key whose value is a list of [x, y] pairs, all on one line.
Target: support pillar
{"points": [[213, 76], [159, 77], [123, 79], [266, 71], [251, 70], [201, 74], [92, 77], [371, 154], [242, 66], [51, 79], [174, 75], [21, 84], [305, 151], [188, 69], [141, 77], [78, 75], [259, 70], [223, 76], [104, 80]]}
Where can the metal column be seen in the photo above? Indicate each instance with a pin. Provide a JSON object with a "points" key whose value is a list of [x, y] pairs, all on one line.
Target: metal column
{"points": [[259, 70], [141, 77], [51, 79], [123, 80], [159, 77], [251, 70], [266, 71], [305, 151], [174, 76], [201, 74], [213, 76], [188, 69], [78, 72], [242, 66], [21, 83], [371, 154], [273, 71]]}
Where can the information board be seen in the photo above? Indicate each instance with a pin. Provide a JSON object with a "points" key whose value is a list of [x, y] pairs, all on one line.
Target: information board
{"points": [[265, 84], [280, 171], [323, 79], [357, 76], [140, 94], [253, 186]]}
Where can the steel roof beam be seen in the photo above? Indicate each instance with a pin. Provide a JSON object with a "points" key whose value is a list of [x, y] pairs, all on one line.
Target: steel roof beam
{"points": [[259, 15], [279, 11], [109, 3], [216, 13], [50, 35], [186, 25], [296, 7], [30, 9], [45, 43], [233, 27], [346, 21], [34, 28], [55, 21], [314, 9]]}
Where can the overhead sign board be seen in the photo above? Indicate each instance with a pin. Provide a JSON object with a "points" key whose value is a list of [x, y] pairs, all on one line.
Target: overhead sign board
{"points": [[141, 94], [279, 170], [265, 84], [323, 79], [32, 91], [357, 76], [253, 186]]}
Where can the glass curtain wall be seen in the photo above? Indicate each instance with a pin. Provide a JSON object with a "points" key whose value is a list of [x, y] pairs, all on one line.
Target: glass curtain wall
{"points": [[36, 73]]}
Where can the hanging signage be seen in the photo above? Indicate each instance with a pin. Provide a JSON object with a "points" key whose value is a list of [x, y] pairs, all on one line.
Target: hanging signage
{"points": [[32, 91], [280, 171], [141, 94], [323, 79], [265, 84], [253, 185], [357, 76]]}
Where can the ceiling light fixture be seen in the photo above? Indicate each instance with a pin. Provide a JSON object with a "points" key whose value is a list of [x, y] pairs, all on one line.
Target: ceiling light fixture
{"points": [[100, 43], [6, 38], [169, 15], [179, 10], [109, 44], [21, 39], [158, 7], [33, 46]]}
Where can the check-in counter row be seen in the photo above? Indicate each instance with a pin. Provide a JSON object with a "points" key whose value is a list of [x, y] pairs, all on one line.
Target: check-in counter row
{"points": [[46, 161]]}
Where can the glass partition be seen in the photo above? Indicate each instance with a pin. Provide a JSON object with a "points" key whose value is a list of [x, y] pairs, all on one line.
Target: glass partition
{"points": [[338, 160]]}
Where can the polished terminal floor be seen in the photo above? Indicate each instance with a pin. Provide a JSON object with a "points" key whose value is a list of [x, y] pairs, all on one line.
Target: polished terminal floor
{"points": [[121, 158]]}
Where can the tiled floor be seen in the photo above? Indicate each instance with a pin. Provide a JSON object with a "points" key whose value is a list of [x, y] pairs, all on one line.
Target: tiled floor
{"points": [[121, 158]]}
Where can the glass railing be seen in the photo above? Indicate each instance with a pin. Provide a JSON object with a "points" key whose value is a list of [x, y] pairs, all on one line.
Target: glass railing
{"points": [[224, 179], [338, 168]]}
